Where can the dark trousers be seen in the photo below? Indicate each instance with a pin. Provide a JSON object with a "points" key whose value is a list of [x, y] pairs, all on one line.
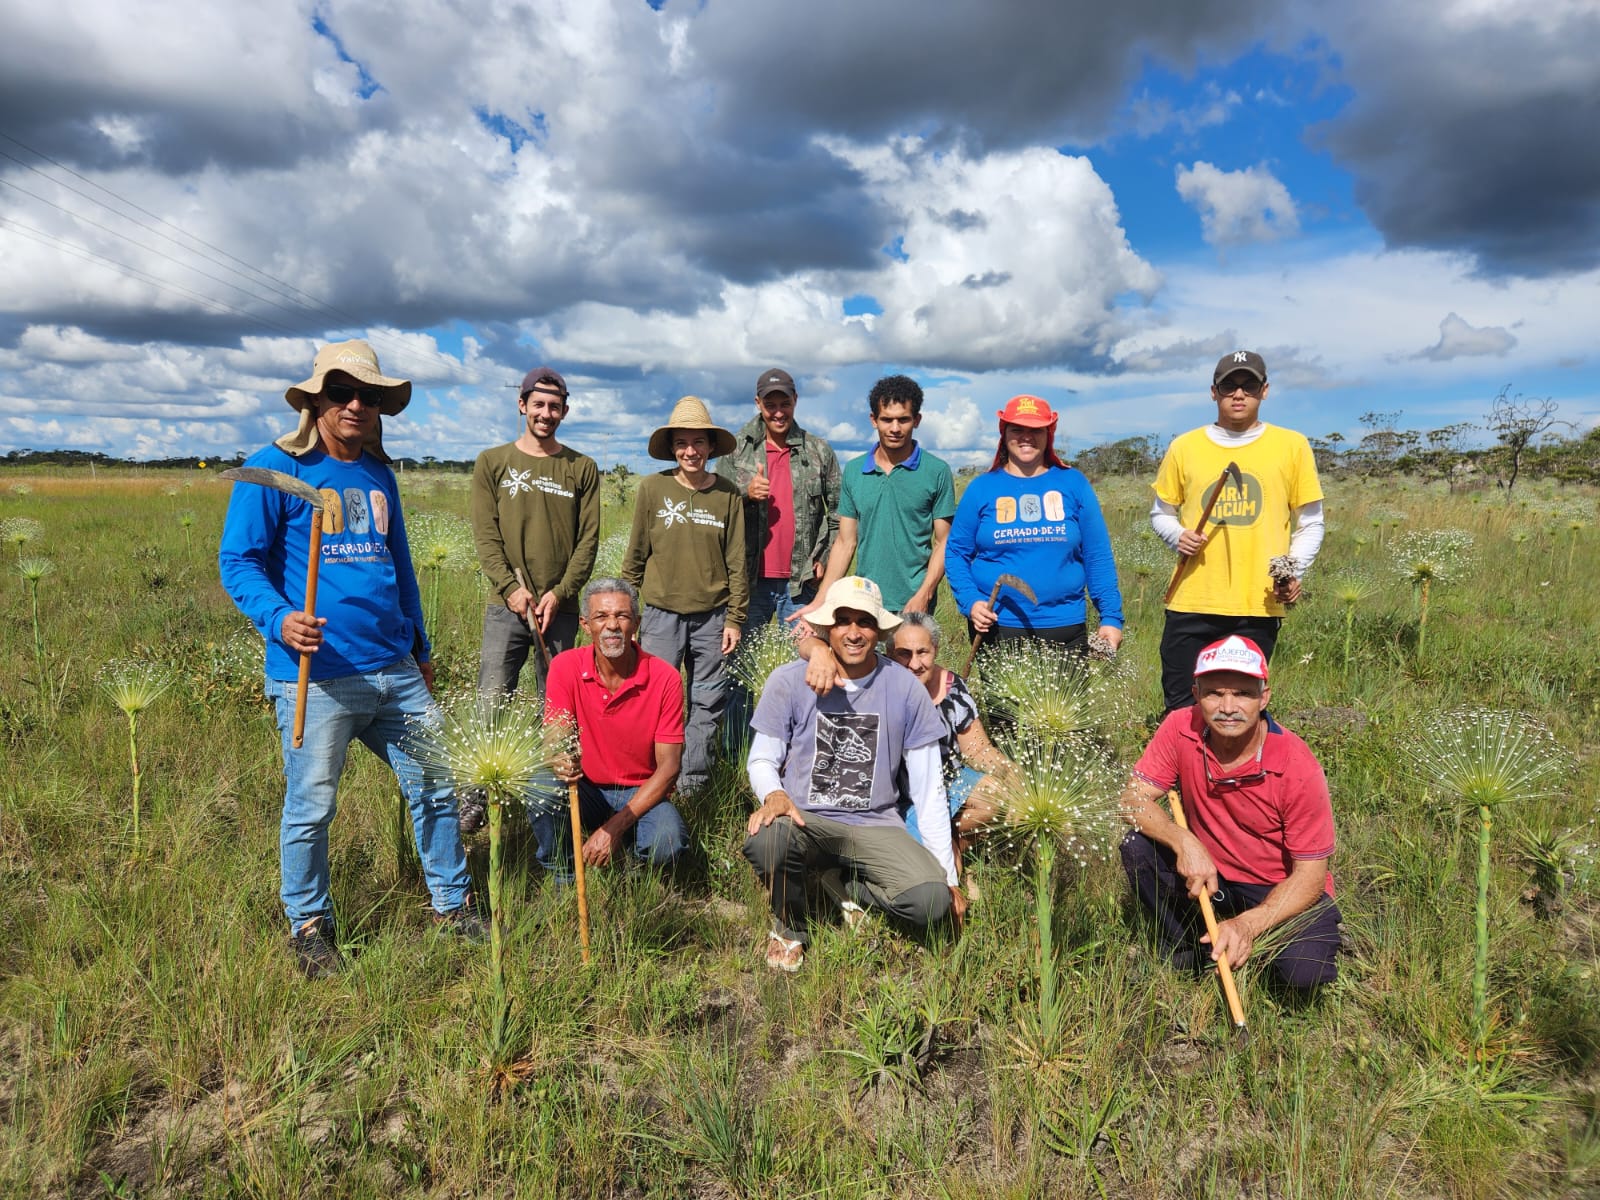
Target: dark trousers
{"points": [[508, 643], [1303, 962], [880, 867], [1186, 634], [1073, 637]]}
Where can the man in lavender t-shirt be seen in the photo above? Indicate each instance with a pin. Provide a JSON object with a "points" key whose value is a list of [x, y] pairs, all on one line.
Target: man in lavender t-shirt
{"points": [[831, 771]]}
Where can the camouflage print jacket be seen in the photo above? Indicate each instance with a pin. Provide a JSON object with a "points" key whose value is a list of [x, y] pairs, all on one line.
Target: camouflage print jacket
{"points": [[815, 473]]}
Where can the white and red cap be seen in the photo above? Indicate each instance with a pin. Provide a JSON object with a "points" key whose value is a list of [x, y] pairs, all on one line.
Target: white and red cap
{"points": [[1234, 653]]}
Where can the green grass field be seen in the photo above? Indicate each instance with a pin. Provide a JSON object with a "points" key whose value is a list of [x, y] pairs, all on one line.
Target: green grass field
{"points": [[155, 1039]]}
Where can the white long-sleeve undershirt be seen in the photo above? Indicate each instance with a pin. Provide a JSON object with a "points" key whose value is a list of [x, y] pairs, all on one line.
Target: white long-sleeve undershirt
{"points": [[924, 776]]}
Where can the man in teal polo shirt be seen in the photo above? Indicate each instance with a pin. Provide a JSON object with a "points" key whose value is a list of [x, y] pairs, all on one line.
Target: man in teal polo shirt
{"points": [[895, 506]]}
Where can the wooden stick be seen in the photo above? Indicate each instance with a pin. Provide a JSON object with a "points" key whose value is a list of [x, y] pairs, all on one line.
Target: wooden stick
{"points": [[533, 626], [978, 637], [1235, 1008], [1216, 493], [577, 870], [313, 560]]}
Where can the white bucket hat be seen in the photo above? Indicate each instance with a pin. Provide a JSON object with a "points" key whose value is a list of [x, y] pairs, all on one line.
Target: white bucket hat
{"points": [[861, 594]]}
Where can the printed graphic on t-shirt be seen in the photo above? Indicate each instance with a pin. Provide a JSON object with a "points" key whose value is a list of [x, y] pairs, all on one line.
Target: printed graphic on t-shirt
{"points": [[1054, 507], [380, 511], [847, 754], [517, 481], [332, 511], [1031, 509], [1005, 510], [1236, 506], [355, 511]]}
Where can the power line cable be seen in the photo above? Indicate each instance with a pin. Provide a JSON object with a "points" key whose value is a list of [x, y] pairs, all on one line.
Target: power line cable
{"points": [[287, 290], [66, 247]]}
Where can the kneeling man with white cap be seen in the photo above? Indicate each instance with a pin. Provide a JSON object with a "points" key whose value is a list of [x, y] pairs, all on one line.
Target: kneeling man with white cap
{"points": [[828, 770]]}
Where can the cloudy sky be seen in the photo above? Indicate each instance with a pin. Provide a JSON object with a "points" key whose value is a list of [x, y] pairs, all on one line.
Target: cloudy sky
{"points": [[1397, 203]]}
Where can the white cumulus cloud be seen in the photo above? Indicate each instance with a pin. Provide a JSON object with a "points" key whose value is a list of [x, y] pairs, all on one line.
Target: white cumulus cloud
{"points": [[1457, 339], [1238, 207]]}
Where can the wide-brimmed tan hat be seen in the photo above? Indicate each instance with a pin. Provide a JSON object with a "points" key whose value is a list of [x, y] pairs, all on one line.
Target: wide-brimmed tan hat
{"points": [[690, 413], [357, 360], [859, 593]]}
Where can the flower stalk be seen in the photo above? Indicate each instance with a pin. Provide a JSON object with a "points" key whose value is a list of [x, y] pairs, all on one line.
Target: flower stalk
{"points": [[1482, 759], [133, 687]]}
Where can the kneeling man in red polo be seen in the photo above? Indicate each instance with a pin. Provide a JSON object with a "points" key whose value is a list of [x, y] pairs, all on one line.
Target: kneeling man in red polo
{"points": [[1260, 826], [628, 707]]}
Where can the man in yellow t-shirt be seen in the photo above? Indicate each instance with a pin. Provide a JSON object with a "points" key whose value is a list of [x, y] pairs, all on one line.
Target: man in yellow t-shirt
{"points": [[1227, 588]]}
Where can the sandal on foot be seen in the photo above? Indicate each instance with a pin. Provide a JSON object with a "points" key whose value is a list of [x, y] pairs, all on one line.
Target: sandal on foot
{"points": [[783, 954]]}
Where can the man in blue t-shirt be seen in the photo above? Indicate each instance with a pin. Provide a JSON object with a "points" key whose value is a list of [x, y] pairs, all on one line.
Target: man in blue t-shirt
{"points": [[831, 770], [370, 668]]}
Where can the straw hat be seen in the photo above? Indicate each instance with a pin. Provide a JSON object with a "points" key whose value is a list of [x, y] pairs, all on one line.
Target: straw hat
{"points": [[357, 360], [690, 413]]}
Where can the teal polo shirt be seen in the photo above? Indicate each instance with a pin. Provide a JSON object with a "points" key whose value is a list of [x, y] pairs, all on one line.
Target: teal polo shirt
{"points": [[894, 515]]}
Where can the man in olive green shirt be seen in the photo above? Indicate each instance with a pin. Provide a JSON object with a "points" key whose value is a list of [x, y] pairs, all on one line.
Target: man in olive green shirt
{"points": [[535, 509]]}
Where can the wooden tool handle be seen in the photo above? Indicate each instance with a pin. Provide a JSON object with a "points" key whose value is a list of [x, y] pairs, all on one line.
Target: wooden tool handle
{"points": [[978, 637], [1177, 572], [532, 622], [1235, 1008], [313, 561], [577, 870]]}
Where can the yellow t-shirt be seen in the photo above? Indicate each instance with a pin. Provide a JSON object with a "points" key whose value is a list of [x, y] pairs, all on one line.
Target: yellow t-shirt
{"points": [[1247, 528]]}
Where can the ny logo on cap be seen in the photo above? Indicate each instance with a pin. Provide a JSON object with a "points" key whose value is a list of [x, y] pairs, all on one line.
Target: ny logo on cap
{"points": [[1241, 356]]}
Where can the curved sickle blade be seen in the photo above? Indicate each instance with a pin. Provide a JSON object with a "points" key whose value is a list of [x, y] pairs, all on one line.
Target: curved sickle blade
{"points": [[282, 482], [1238, 479], [1016, 585]]}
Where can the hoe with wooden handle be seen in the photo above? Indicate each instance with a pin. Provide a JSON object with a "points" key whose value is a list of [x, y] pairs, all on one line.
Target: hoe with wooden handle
{"points": [[1235, 1007], [1017, 585], [1231, 471], [300, 488]]}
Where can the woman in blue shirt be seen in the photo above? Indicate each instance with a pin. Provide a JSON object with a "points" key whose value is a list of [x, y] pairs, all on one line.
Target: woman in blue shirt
{"points": [[1032, 516]]}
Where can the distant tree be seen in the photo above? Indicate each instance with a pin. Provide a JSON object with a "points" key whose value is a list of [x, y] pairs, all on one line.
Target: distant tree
{"points": [[1380, 449], [1130, 456], [1445, 454], [1518, 423]]}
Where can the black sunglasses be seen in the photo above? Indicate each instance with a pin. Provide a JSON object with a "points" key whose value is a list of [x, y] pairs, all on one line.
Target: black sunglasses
{"points": [[1233, 782], [1250, 387], [343, 393]]}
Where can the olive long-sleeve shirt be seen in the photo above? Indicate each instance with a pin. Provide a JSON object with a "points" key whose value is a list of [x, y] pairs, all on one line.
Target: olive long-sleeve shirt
{"points": [[539, 514], [686, 551]]}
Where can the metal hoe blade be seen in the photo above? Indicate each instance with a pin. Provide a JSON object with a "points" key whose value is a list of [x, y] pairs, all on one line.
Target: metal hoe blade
{"points": [[282, 482]]}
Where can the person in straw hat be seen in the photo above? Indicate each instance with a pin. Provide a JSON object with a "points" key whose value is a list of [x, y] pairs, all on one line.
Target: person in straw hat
{"points": [[828, 770], [371, 669], [686, 555]]}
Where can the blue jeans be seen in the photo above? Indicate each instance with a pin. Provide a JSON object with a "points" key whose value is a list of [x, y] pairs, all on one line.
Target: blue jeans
{"points": [[956, 791], [656, 839], [372, 708], [769, 598]]}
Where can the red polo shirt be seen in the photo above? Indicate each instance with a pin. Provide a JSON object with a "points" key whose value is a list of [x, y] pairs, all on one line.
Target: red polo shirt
{"points": [[1256, 831], [617, 731]]}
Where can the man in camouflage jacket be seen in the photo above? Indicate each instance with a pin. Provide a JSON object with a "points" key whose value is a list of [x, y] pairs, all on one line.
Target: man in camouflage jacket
{"points": [[790, 481]]}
